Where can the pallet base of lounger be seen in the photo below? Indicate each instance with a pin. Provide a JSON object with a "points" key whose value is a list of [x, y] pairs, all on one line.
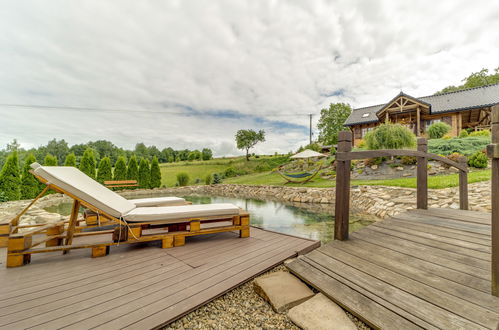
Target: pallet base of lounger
{"points": [[21, 246]]}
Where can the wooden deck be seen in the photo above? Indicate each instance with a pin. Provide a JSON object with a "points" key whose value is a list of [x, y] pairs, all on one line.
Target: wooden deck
{"points": [[139, 286], [421, 269]]}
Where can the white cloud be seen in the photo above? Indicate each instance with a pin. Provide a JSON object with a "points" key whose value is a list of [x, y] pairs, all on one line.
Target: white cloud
{"points": [[267, 59]]}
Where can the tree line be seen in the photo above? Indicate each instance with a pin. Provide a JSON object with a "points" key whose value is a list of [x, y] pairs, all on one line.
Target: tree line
{"points": [[103, 148], [17, 183]]}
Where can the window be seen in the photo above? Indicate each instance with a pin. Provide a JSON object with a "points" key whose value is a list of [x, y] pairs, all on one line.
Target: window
{"points": [[432, 121], [365, 115], [365, 130]]}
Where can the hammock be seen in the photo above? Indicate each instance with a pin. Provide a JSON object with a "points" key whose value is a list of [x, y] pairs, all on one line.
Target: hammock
{"points": [[300, 177]]}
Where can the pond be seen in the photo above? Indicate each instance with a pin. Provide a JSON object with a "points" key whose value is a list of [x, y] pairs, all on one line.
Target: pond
{"points": [[313, 221]]}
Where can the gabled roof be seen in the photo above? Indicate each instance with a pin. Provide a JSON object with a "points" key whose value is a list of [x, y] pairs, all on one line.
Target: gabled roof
{"points": [[467, 99]]}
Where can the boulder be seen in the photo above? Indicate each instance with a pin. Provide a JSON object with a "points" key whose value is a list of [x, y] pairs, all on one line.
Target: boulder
{"points": [[282, 290], [320, 313]]}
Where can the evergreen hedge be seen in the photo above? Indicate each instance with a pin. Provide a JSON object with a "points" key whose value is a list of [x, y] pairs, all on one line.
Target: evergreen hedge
{"points": [[50, 160], [70, 160], [144, 173], [155, 173], [30, 186], [120, 169], [105, 172], [465, 146], [87, 163], [10, 178], [132, 171]]}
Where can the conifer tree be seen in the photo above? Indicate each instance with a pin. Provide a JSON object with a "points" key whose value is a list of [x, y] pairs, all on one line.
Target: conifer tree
{"points": [[30, 186], [132, 171], [70, 160], [87, 163], [120, 169], [10, 178], [50, 160], [155, 173], [105, 171], [144, 173]]}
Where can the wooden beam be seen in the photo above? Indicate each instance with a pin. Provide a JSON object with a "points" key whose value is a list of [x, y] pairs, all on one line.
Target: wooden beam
{"points": [[495, 200], [72, 223], [463, 185], [422, 176], [342, 206], [418, 121]]}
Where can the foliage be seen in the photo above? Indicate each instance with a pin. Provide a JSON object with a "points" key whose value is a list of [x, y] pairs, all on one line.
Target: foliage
{"points": [[313, 146], [332, 121], [50, 160], [262, 168], [132, 172], [3, 197], [155, 173], [438, 130], [144, 180], [485, 133], [120, 169], [466, 146], [87, 163], [476, 79], [248, 138], [182, 179], [206, 154], [479, 160], [10, 178], [447, 137], [208, 178], [361, 144], [463, 134], [105, 172], [70, 160], [194, 155], [390, 136], [455, 156], [57, 148], [374, 161], [230, 172], [408, 160], [30, 186], [217, 179]]}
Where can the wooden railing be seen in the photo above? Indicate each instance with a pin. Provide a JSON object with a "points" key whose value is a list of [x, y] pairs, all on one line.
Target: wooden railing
{"points": [[345, 155], [493, 152]]}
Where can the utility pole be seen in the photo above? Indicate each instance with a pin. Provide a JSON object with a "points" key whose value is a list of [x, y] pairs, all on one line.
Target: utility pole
{"points": [[310, 115]]}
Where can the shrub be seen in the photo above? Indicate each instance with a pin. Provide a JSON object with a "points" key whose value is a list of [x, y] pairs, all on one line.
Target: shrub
{"points": [[182, 179], [120, 169], [447, 137], [3, 197], [408, 160], [144, 174], [132, 171], [361, 144], [230, 172], [463, 134], [30, 187], [390, 136], [207, 179], [50, 160], [155, 173], [374, 161], [478, 160], [262, 167], [438, 130], [485, 133], [197, 181], [467, 146], [217, 178], [104, 173], [87, 163], [70, 160], [10, 178]]}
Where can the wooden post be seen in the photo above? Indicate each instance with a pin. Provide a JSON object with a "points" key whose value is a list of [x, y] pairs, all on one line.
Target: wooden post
{"points": [[493, 152], [418, 121], [342, 206], [463, 185], [422, 176], [72, 223]]}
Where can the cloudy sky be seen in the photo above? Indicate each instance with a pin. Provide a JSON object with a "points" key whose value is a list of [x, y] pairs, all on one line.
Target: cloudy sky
{"points": [[189, 74]]}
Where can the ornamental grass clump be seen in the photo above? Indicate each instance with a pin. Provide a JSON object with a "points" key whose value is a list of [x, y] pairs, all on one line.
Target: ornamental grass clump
{"points": [[438, 130], [390, 136], [182, 179]]}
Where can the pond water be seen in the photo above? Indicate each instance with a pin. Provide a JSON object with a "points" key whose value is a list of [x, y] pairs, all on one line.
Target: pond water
{"points": [[314, 221]]}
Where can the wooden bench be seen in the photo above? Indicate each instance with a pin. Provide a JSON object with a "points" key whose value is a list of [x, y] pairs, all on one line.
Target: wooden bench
{"points": [[120, 184]]}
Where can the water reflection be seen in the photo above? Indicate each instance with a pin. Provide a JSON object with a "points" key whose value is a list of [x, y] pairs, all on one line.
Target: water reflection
{"points": [[314, 221]]}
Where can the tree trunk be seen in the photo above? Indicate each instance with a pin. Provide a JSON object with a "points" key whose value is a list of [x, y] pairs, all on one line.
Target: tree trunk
{"points": [[247, 155]]}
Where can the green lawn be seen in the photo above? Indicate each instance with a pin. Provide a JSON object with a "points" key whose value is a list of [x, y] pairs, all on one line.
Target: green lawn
{"points": [[169, 172], [434, 182]]}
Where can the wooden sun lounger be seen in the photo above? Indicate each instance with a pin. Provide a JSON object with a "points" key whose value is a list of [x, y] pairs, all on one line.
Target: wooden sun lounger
{"points": [[59, 236]]}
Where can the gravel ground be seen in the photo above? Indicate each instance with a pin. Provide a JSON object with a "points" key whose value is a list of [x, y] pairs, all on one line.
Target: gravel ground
{"points": [[240, 308]]}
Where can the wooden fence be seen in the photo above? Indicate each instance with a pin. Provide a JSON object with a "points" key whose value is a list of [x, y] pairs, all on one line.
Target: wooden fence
{"points": [[345, 155]]}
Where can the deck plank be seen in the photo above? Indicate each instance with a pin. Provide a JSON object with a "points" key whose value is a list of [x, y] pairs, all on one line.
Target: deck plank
{"points": [[86, 291], [431, 268]]}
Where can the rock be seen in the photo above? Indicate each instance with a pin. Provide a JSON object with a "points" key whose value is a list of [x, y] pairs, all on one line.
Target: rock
{"points": [[282, 290], [374, 167], [399, 168], [320, 313]]}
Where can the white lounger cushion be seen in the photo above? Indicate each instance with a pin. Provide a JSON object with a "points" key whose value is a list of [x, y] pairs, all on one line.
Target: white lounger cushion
{"points": [[158, 201], [181, 212], [85, 188]]}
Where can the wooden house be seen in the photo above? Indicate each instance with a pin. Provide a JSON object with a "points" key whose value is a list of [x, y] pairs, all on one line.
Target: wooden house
{"points": [[469, 108]]}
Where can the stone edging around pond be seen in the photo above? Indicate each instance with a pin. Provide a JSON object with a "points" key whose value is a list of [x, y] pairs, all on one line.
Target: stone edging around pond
{"points": [[380, 201]]}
